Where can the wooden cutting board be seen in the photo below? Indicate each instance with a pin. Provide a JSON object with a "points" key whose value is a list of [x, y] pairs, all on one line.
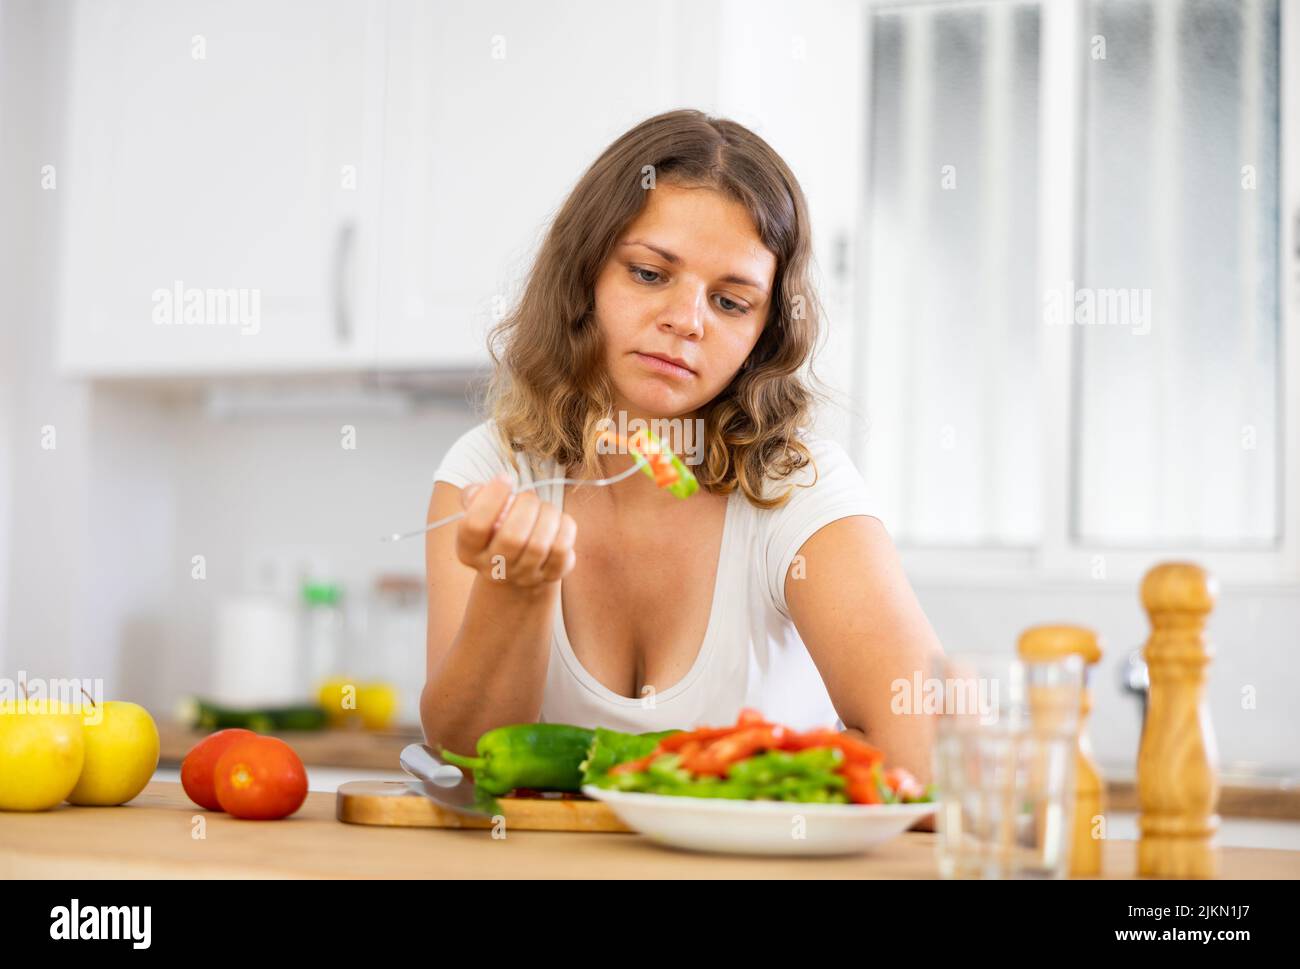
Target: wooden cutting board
{"points": [[393, 804]]}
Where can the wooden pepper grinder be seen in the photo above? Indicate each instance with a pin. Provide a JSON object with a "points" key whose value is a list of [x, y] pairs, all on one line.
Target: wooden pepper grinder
{"points": [[1047, 643], [1177, 778]]}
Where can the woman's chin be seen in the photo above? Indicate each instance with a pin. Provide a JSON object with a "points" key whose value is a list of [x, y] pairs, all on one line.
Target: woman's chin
{"points": [[653, 397]]}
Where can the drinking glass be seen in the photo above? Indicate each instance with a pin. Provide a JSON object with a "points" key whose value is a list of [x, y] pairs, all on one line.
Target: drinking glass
{"points": [[1004, 764]]}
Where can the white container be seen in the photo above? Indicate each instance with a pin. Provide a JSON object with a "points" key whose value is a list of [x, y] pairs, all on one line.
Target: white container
{"points": [[255, 654]]}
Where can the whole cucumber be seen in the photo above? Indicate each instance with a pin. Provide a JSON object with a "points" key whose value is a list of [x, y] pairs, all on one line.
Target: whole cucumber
{"points": [[210, 716]]}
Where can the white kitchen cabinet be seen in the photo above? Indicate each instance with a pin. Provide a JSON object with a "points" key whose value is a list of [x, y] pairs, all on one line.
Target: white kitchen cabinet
{"points": [[494, 110], [209, 148]]}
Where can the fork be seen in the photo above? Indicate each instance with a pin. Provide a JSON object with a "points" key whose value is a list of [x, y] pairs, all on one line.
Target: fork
{"points": [[597, 483]]}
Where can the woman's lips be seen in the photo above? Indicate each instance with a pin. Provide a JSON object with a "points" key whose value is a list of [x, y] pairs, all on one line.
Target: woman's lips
{"points": [[660, 365]]}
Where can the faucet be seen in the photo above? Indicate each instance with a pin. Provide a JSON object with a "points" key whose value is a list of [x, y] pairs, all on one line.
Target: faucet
{"points": [[1135, 678]]}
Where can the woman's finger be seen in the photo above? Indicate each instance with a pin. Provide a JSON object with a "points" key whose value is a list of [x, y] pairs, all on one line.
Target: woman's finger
{"points": [[512, 534], [538, 546], [561, 558], [477, 527]]}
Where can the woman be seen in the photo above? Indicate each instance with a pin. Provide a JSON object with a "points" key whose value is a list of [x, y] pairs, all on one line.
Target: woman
{"points": [[673, 287]]}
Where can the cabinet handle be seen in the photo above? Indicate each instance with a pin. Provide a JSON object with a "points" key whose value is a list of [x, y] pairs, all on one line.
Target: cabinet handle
{"points": [[342, 278]]}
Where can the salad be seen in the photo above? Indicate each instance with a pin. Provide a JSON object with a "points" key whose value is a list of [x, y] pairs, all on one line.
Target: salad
{"points": [[752, 760]]}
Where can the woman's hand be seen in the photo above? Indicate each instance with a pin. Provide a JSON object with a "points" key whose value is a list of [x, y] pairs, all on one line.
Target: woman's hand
{"points": [[518, 539]]}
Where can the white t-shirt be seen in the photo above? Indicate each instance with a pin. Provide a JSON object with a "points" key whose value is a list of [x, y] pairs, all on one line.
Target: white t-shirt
{"points": [[751, 655]]}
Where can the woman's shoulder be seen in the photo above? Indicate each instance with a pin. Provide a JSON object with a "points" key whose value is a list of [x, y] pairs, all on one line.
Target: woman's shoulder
{"points": [[477, 455], [827, 488], [828, 470]]}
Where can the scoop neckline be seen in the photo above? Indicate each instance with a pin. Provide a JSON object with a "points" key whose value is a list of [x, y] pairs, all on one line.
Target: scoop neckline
{"points": [[701, 657]]}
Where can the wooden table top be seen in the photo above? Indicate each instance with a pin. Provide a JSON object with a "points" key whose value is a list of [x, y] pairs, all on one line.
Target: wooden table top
{"points": [[154, 837], [379, 751]]}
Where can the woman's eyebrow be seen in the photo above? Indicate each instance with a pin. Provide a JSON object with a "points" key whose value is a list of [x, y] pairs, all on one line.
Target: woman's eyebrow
{"points": [[675, 260]]}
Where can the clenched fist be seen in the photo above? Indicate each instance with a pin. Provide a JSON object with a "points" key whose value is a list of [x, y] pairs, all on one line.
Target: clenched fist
{"points": [[517, 539]]}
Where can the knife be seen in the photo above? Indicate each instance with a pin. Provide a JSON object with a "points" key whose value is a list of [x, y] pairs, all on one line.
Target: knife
{"points": [[445, 784]]}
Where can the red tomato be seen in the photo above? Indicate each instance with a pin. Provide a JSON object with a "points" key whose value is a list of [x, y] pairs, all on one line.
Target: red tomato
{"points": [[198, 766], [260, 778]]}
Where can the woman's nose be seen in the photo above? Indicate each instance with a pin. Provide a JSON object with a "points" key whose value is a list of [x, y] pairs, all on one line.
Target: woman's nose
{"points": [[685, 313]]}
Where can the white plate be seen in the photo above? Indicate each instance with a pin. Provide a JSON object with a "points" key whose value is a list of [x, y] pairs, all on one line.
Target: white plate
{"points": [[760, 827]]}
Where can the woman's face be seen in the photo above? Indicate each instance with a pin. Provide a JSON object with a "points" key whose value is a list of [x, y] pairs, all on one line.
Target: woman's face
{"points": [[681, 300]]}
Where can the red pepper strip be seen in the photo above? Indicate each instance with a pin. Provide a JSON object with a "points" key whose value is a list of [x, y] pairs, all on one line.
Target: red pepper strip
{"points": [[641, 444], [685, 745], [661, 466], [690, 744], [749, 717], [640, 439], [855, 751], [633, 766], [861, 784], [658, 462], [657, 457], [665, 475], [725, 751], [677, 741], [690, 749]]}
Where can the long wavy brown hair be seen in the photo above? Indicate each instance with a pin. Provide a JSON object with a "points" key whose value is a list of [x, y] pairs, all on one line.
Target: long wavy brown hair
{"points": [[549, 390]]}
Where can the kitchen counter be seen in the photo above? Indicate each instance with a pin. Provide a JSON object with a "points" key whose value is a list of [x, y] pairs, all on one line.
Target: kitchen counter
{"points": [[153, 837], [1241, 795], [334, 747]]}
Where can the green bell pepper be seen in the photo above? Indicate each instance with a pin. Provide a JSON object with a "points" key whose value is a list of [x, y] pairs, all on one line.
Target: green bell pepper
{"points": [[541, 756]]}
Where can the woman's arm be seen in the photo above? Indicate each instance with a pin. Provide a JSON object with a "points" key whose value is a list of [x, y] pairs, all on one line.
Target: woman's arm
{"points": [[864, 628], [489, 627]]}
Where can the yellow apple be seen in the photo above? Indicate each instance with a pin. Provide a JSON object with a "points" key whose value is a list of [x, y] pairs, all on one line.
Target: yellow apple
{"points": [[121, 754], [42, 750], [348, 703], [377, 703], [338, 697]]}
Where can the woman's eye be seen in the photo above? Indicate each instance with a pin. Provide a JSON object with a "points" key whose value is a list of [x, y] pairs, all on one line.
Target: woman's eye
{"points": [[733, 305], [651, 276]]}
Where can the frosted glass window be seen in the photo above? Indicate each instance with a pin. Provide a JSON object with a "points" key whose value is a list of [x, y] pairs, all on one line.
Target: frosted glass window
{"points": [[954, 313], [1177, 429]]}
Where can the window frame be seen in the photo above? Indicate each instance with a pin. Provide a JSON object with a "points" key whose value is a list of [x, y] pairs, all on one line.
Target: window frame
{"points": [[1060, 558]]}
